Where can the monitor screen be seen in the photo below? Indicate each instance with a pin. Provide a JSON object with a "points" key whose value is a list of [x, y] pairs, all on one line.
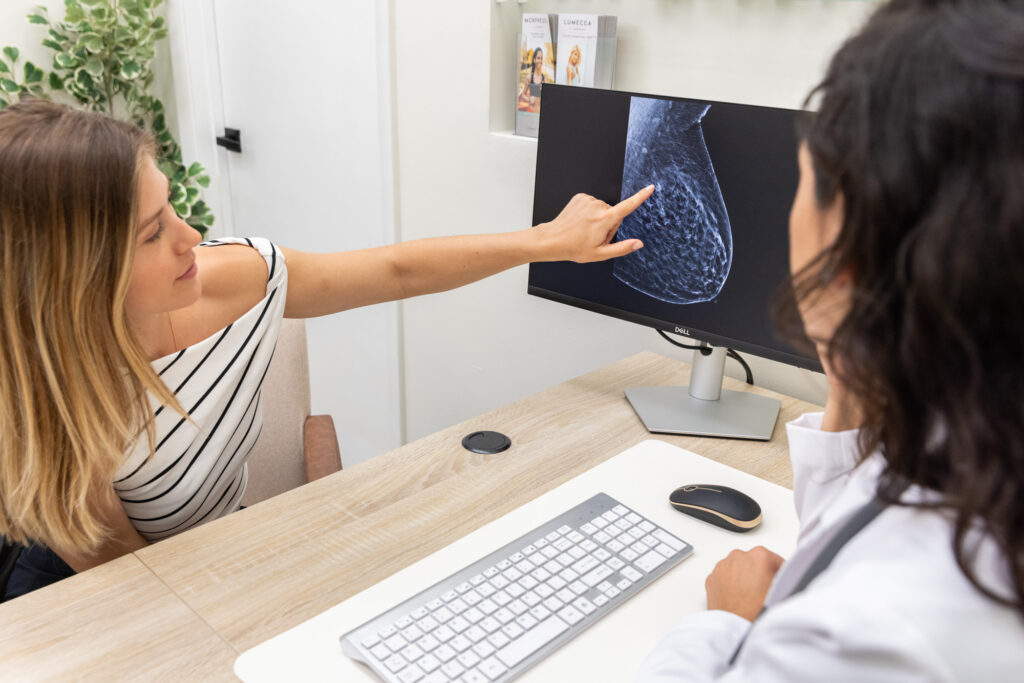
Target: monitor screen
{"points": [[715, 231]]}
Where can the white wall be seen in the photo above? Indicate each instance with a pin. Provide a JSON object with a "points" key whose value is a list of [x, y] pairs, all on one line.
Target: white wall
{"points": [[474, 349]]}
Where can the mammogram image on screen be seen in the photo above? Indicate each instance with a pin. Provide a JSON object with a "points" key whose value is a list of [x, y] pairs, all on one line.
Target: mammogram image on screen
{"points": [[684, 225]]}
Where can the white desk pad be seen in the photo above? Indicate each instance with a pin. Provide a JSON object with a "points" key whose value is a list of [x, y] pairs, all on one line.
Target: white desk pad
{"points": [[642, 478]]}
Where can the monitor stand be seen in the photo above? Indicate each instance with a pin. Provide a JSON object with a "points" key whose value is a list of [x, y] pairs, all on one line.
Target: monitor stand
{"points": [[704, 408]]}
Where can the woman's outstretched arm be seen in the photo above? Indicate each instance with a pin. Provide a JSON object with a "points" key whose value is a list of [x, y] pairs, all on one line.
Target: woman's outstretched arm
{"points": [[319, 284]]}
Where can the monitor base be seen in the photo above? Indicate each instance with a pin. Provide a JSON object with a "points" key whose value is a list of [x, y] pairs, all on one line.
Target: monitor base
{"points": [[735, 415]]}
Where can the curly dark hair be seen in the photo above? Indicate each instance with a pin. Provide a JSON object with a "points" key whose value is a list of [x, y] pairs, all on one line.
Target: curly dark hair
{"points": [[920, 129]]}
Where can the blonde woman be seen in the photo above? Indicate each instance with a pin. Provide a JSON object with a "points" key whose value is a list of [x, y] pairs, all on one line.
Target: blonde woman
{"points": [[131, 358], [572, 69]]}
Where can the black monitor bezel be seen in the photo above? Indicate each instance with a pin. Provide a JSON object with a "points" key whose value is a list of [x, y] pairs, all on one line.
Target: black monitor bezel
{"points": [[804, 362]]}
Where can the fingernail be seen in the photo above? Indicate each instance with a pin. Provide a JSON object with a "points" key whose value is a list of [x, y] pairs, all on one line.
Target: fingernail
{"points": [[637, 245]]}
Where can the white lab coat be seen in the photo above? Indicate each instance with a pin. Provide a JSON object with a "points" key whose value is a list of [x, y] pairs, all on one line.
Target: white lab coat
{"points": [[893, 605]]}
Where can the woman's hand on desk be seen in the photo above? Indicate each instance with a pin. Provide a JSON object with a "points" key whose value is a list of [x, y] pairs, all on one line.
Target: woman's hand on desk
{"points": [[584, 230], [740, 582]]}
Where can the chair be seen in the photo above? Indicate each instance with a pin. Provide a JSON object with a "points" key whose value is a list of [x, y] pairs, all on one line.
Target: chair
{"points": [[295, 447]]}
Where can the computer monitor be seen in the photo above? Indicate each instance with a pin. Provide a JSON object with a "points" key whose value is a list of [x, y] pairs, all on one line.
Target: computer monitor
{"points": [[715, 231]]}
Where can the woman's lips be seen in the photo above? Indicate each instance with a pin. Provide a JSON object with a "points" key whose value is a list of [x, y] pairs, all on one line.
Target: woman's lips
{"points": [[190, 273]]}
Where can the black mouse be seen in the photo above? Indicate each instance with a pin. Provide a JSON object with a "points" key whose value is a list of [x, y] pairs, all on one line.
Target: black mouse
{"points": [[719, 505]]}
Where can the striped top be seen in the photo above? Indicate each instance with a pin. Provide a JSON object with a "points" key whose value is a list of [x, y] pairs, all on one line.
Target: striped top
{"points": [[198, 472]]}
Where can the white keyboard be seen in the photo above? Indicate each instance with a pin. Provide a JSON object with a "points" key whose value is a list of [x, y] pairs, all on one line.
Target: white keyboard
{"points": [[497, 617]]}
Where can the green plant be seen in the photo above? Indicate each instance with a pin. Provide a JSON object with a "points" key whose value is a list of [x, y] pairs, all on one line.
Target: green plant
{"points": [[104, 50]]}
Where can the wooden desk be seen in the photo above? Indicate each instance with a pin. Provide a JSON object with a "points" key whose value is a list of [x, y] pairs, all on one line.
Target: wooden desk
{"points": [[217, 590]]}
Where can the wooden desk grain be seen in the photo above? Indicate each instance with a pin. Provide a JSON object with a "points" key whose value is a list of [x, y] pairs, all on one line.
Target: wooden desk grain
{"points": [[270, 567], [117, 622]]}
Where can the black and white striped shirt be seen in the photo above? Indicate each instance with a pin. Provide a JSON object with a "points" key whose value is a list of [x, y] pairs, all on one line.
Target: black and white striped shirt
{"points": [[198, 471]]}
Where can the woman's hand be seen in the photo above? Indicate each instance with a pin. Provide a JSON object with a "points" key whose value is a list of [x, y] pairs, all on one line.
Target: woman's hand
{"points": [[740, 582], [584, 230]]}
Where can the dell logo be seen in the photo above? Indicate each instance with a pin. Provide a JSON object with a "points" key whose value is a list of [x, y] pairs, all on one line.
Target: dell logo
{"points": [[682, 330]]}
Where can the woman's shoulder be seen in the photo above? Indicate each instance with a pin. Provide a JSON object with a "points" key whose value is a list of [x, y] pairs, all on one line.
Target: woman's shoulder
{"points": [[236, 274]]}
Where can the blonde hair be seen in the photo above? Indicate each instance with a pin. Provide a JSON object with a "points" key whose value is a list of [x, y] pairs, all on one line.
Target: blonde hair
{"points": [[73, 378]]}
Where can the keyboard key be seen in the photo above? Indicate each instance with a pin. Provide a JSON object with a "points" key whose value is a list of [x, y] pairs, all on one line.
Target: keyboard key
{"points": [[443, 615], [615, 563], [449, 596], [476, 580], [396, 643], [512, 630], [472, 615], [588, 528], [443, 634], [649, 561], [410, 674], [453, 669], [380, 651], [600, 600], [434, 604], [668, 539], [599, 522], [610, 516], [631, 574], [462, 587], [584, 605], [458, 605], [387, 632], [411, 653], [633, 518], [471, 598], [563, 530], [504, 615], [517, 607], [526, 621], [404, 622], [487, 606], [394, 663], [370, 641], [623, 584], [458, 624], [533, 640], [602, 537], [427, 624], [498, 639], [460, 643], [490, 624], [492, 668], [483, 649], [412, 634], [427, 644], [428, 663], [620, 509], [540, 612], [474, 677], [665, 550], [597, 575], [444, 653], [475, 633], [647, 526], [570, 614]]}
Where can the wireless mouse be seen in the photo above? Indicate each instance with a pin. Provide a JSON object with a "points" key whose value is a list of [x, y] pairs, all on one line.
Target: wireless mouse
{"points": [[719, 505]]}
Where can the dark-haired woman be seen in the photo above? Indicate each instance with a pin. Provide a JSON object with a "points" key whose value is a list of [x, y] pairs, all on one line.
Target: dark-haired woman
{"points": [[907, 239]]}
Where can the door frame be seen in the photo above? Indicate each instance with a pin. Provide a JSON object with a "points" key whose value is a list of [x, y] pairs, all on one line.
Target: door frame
{"points": [[192, 36]]}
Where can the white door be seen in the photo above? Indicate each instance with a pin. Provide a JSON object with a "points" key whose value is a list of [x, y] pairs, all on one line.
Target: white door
{"points": [[307, 84]]}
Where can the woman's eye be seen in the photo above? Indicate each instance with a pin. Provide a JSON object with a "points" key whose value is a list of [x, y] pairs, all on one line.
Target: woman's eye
{"points": [[156, 235]]}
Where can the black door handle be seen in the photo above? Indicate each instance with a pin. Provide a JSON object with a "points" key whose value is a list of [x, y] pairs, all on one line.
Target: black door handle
{"points": [[231, 140]]}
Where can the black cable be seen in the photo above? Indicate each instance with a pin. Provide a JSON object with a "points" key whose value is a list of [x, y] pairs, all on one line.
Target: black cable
{"points": [[706, 350], [739, 359]]}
